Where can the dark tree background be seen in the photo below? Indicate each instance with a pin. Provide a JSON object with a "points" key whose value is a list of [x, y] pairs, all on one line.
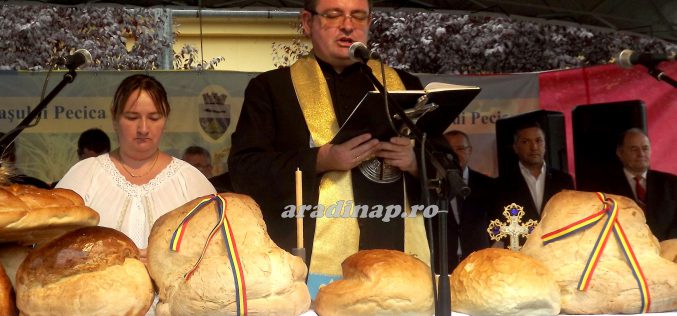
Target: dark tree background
{"points": [[422, 42], [426, 42]]}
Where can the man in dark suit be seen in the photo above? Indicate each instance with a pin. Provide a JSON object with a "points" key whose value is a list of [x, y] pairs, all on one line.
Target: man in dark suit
{"points": [[468, 219], [530, 183], [654, 191]]}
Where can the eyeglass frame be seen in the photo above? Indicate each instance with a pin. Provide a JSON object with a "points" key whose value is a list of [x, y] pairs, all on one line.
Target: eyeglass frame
{"points": [[353, 19]]}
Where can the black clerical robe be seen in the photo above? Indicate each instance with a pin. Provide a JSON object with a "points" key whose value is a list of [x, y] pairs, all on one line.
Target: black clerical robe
{"points": [[272, 139]]}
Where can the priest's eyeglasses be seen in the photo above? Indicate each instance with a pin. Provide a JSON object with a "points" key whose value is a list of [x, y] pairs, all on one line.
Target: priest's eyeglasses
{"points": [[335, 18]]}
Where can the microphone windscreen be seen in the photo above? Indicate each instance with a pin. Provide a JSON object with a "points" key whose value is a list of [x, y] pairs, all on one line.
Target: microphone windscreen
{"points": [[625, 58], [85, 54], [358, 52]]}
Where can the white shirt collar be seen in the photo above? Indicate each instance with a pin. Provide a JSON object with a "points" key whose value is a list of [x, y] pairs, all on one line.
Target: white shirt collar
{"points": [[536, 184], [631, 177], [466, 174]]}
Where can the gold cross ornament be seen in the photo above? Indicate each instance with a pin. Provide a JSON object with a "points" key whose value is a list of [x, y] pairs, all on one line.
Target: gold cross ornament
{"points": [[513, 227]]}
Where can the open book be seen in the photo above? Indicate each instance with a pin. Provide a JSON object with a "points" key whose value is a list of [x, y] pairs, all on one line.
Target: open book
{"points": [[435, 108]]}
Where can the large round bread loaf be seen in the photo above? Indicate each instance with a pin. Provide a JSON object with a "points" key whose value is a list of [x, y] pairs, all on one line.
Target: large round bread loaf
{"points": [[669, 249], [378, 282], [89, 271], [274, 279], [613, 288], [500, 282], [32, 215]]}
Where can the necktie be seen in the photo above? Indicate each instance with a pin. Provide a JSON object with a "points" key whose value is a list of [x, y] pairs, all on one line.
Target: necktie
{"points": [[639, 189]]}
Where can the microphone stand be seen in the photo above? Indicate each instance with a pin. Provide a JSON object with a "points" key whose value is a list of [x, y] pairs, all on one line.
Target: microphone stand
{"points": [[661, 76], [447, 185], [6, 140]]}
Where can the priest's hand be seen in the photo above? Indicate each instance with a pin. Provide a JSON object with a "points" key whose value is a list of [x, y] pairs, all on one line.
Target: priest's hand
{"points": [[399, 152], [345, 156]]}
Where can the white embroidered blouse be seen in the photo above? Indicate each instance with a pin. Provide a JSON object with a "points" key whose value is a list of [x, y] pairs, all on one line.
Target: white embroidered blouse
{"points": [[129, 208]]}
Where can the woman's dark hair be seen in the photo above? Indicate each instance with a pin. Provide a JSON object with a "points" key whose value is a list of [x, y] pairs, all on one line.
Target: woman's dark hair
{"points": [[140, 82]]}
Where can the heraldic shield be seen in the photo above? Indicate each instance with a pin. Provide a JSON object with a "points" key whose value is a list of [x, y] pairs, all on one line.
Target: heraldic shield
{"points": [[214, 114]]}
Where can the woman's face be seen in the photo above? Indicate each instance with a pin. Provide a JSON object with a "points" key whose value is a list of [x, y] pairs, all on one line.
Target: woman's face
{"points": [[140, 126]]}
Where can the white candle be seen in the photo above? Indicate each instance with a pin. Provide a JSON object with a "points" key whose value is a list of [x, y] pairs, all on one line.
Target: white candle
{"points": [[299, 203]]}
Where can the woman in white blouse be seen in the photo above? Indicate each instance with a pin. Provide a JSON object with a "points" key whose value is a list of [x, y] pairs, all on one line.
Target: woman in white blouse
{"points": [[136, 183]]}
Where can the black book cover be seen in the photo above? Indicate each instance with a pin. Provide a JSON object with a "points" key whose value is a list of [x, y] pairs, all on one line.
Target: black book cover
{"points": [[371, 116]]}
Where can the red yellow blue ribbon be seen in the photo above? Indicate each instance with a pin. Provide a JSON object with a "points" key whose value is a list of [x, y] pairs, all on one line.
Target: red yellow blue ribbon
{"points": [[231, 247], [610, 208]]}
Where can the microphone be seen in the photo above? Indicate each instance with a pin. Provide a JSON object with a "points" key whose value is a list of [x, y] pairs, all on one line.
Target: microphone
{"points": [[78, 58], [360, 53], [627, 58]]}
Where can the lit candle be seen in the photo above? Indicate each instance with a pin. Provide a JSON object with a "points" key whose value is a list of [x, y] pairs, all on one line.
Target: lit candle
{"points": [[299, 203]]}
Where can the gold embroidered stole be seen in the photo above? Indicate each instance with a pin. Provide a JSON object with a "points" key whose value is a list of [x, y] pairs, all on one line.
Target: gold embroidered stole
{"points": [[336, 238]]}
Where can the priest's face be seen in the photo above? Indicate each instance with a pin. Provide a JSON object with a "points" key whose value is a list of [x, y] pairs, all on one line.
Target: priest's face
{"points": [[635, 152], [333, 26], [529, 146]]}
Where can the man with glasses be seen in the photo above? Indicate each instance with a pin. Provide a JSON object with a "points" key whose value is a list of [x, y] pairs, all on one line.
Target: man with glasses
{"points": [[468, 217], [288, 119]]}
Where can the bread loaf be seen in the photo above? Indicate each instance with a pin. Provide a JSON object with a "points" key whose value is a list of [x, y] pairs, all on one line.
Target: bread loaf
{"points": [[32, 215], [613, 288], [378, 282], [89, 271], [274, 279], [501, 282]]}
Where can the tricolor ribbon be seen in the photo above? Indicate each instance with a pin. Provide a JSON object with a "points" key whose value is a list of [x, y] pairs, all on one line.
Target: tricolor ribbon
{"points": [[231, 247], [610, 208]]}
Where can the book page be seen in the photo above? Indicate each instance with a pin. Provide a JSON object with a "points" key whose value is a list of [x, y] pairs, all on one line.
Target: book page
{"points": [[441, 86]]}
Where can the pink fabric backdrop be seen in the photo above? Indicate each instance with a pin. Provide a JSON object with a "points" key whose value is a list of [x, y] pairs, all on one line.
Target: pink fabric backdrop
{"points": [[563, 90]]}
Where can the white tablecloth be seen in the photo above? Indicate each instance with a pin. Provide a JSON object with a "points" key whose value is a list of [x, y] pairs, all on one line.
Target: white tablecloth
{"points": [[311, 313]]}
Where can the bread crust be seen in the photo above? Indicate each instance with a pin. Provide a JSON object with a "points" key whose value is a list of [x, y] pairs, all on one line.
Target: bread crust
{"points": [[613, 288], [669, 249], [7, 305], [30, 215], [89, 271], [501, 282], [378, 282], [275, 280]]}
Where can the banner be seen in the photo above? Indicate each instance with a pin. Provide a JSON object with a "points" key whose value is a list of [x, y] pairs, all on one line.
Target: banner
{"points": [[204, 109], [206, 106]]}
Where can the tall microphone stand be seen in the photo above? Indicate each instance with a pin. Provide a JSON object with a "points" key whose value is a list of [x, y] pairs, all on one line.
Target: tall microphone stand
{"points": [[450, 184], [661, 76], [6, 140]]}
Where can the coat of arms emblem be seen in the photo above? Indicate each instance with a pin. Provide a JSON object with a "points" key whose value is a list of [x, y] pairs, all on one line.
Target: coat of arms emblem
{"points": [[214, 114]]}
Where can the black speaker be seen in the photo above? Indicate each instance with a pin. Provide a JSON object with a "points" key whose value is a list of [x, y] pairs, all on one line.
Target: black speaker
{"points": [[596, 129], [551, 122]]}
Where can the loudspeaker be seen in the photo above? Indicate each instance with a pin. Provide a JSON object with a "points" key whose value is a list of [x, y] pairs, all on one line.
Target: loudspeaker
{"points": [[551, 122], [596, 129]]}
